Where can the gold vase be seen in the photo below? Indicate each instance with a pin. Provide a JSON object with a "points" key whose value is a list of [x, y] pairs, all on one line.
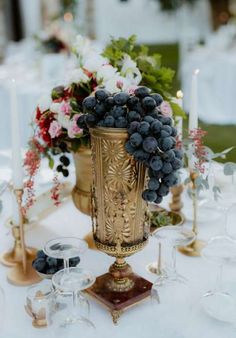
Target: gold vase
{"points": [[81, 192], [118, 218]]}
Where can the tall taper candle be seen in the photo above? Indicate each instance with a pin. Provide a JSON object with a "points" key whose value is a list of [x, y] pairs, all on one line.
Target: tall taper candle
{"points": [[17, 171], [193, 113], [179, 119]]}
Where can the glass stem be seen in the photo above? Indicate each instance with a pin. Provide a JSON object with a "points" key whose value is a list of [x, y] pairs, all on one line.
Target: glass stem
{"points": [[218, 286], [66, 264]]}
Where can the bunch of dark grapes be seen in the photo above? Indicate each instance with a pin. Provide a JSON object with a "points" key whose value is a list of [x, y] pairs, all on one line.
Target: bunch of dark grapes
{"points": [[49, 265], [151, 135]]}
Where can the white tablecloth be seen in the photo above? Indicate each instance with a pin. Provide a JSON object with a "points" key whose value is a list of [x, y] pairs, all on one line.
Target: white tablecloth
{"points": [[184, 319]]}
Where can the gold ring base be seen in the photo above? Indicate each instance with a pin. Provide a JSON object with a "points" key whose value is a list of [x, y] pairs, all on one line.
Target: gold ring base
{"points": [[17, 275], [194, 249], [14, 256]]}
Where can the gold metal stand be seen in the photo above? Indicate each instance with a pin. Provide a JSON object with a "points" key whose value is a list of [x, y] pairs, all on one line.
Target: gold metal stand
{"points": [[176, 204], [14, 256], [194, 249], [22, 273]]}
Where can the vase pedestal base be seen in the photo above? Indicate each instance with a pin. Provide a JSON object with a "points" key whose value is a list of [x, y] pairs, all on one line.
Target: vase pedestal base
{"points": [[194, 249], [118, 302]]}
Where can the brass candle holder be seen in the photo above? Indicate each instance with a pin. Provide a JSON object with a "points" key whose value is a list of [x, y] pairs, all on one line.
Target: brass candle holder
{"points": [[176, 203], [196, 247], [14, 256], [22, 273]]}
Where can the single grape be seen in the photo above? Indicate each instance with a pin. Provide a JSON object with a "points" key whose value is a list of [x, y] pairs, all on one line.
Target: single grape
{"points": [[118, 111], [109, 122], [167, 168], [179, 153], [142, 92], [166, 143], [170, 180], [168, 156], [153, 183], [149, 195], [156, 163], [133, 116], [121, 98], [39, 264], [158, 98], [163, 190], [65, 172], [144, 128], [136, 140], [141, 156], [148, 119], [158, 200], [156, 126], [133, 127], [102, 94], [89, 103], [81, 122], [166, 131], [121, 122], [109, 102], [100, 109], [132, 101], [129, 148], [91, 120], [176, 163], [150, 144], [59, 168], [41, 254], [165, 120], [174, 132], [148, 103]]}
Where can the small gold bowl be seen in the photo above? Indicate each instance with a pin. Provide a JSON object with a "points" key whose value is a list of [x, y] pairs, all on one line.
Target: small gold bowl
{"points": [[160, 217]]}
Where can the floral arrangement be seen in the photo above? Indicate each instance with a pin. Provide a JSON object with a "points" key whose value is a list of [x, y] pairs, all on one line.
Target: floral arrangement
{"points": [[120, 67]]}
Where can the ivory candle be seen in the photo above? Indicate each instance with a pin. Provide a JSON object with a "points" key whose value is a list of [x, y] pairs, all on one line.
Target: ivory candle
{"points": [[17, 170], [193, 113]]}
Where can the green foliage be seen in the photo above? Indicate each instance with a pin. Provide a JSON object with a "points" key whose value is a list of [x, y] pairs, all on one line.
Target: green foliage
{"points": [[159, 79]]}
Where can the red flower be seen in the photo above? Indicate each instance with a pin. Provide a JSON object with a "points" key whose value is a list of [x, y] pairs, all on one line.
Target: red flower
{"points": [[196, 135]]}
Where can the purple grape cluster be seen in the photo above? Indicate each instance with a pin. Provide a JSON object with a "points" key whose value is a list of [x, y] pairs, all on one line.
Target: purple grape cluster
{"points": [[151, 135], [49, 265]]}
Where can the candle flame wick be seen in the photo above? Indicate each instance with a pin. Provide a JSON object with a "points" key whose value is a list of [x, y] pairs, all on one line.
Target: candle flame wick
{"points": [[179, 94], [196, 72], [13, 80]]}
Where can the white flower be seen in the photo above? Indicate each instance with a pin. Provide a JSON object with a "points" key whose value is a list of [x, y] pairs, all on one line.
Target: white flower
{"points": [[64, 120], [130, 70], [54, 129], [82, 46], [117, 83], [76, 76], [44, 102], [105, 73], [55, 107], [94, 62]]}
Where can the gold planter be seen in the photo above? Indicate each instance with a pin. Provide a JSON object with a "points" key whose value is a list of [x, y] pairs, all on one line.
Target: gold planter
{"points": [[81, 192], [118, 218]]}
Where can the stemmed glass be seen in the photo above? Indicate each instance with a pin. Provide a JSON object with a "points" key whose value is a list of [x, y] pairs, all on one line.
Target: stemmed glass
{"points": [[174, 236], [218, 303], [66, 248], [66, 317]]}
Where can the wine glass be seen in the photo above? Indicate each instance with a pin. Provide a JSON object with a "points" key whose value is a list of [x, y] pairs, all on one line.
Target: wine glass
{"points": [[66, 318], [218, 303], [174, 236], [66, 248]]}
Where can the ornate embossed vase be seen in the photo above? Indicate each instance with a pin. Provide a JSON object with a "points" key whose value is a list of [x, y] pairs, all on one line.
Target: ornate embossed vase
{"points": [[81, 192], [118, 217]]}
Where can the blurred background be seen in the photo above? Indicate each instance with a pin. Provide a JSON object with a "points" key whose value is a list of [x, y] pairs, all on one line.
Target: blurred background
{"points": [[36, 35]]}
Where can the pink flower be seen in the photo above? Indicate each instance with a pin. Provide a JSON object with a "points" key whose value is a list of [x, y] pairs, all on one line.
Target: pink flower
{"points": [[119, 84], [73, 129], [131, 89], [54, 129], [166, 109], [65, 108]]}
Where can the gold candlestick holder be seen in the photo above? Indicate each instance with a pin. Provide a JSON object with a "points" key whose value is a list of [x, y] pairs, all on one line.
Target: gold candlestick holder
{"points": [[194, 249], [14, 256], [176, 204], [22, 273]]}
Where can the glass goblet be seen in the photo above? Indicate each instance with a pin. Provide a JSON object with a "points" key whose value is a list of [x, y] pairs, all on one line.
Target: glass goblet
{"points": [[174, 236], [218, 303], [66, 318], [66, 248]]}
